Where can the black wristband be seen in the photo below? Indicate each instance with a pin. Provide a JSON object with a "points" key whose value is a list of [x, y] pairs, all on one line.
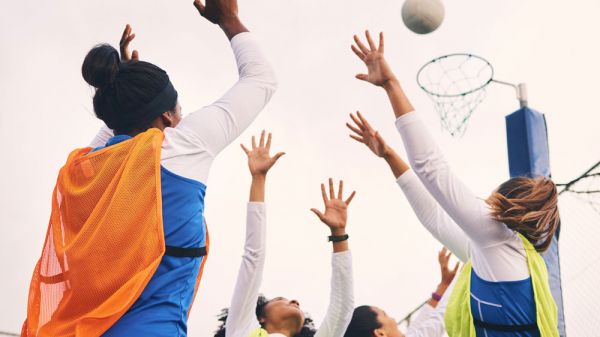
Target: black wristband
{"points": [[338, 238]]}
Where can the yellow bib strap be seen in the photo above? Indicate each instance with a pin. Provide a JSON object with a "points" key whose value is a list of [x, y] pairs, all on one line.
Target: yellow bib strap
{"points": [[458, 317]]}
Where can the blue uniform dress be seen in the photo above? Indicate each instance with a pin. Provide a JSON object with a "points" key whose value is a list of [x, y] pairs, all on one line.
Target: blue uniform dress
{"points": [[503, 304], [162, 308]]}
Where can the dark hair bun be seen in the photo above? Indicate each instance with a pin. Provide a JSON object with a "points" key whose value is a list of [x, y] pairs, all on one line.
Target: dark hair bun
{"points": [[100, 66]]}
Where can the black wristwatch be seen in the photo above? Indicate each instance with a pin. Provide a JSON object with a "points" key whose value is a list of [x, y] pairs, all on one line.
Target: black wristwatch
{"points": [[338, 238]]}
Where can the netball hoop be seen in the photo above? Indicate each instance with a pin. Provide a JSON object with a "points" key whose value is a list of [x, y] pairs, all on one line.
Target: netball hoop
{"points": [[456, 84]]}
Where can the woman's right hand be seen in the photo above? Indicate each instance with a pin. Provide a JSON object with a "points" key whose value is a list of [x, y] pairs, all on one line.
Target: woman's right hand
{"points": [[379, 72], [223, 13], [364, 133], [126, 38]]}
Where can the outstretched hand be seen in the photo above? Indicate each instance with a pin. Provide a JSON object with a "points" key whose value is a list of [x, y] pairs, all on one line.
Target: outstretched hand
{"points": [[217, 11], [379, 72], [447, 274], [336, 208], [364, 133], [126, 38], [259, 159]]}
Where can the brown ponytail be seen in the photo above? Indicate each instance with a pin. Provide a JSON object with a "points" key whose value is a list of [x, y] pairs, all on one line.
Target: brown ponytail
{"points": [[528, 206]]}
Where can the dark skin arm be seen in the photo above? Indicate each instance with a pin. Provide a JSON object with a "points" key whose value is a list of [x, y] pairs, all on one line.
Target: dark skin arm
{"points": [[223, 13]]}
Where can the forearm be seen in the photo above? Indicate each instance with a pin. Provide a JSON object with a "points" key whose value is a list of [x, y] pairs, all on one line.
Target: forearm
{"points": [[463, 206], [232, 27], [440, 290], [341, 301], [433, 217], [400, 103], [397, 165], [242, 319], [257, 188]]}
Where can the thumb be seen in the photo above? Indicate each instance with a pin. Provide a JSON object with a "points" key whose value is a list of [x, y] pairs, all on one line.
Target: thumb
{"points": [[135, 55], [318, 213], [277, 156], [200, 7], [362, 77]]}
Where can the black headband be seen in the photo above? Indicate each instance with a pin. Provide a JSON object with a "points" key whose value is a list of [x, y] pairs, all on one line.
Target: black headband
{"points": [[164, 101]]}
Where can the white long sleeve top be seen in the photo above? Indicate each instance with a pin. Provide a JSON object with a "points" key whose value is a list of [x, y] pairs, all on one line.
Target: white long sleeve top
{"points": [[496, 252], [430, 321], [241, 320], [190, 148]]}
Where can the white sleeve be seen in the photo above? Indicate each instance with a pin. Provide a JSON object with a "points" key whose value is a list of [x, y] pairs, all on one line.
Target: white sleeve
{"points": [[217, 125], [425, 324], [430, 321], [341, 300], [241, 319], [468, 211], [433, 217], [102, 137]]}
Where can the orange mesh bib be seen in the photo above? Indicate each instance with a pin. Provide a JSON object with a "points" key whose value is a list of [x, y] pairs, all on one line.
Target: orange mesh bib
{"points": [[104, 240]]}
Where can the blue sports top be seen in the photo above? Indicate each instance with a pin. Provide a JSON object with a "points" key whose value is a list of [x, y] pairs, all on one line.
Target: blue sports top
{"points": [[162, 308], [506, 303]]}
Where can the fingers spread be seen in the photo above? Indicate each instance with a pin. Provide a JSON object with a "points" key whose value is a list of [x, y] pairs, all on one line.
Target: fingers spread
{"points": [[370, 40], [358, 122], [262, 139], [269, 142], [323, 193], [253, 143], [381, 42], [331, 192], [350, 198], [364, 121], [340, 190], [360, 45], [358, 53], [357, 131], [245, 149], [358, 139]]}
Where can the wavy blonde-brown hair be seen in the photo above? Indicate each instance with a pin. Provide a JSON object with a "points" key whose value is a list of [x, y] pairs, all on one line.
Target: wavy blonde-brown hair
{"points": [[528, 206]]}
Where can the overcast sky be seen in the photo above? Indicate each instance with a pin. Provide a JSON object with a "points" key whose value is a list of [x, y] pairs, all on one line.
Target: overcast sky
{"points": [[46, 111]]}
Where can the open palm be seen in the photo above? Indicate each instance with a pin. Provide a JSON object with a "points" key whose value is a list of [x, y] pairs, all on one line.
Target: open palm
{"points": [[336, 209], [259, 159], [379, 72], [364, 133]]}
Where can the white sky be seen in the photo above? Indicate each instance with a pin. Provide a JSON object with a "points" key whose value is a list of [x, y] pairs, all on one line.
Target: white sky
{"points": [[46, 111]]}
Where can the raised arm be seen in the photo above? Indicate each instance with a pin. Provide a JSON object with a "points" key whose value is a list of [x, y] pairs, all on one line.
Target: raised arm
{"points": [[428, 211], [217, 125], [430, 320], [241, 319], [341, 300], [468, 211]]}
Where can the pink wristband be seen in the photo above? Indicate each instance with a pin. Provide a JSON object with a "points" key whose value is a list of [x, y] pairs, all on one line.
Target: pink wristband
{"points": [[436, 297]]}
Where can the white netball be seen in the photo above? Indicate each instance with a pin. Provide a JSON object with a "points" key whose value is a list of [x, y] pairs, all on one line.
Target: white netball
{"points": [[423, 16]]}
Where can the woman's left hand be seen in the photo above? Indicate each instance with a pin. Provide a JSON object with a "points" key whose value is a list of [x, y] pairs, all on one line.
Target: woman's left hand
{"points": [[126, 38], [336, 208]]}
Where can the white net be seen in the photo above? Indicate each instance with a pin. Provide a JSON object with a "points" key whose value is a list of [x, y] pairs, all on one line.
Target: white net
{"points": [[456, 84]]}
